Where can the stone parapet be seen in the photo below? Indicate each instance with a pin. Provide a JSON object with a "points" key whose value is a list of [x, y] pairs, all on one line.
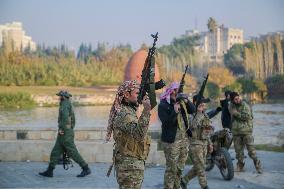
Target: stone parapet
{"points": [[99, 99], [81, 134], [91, 151], [22, 144]]}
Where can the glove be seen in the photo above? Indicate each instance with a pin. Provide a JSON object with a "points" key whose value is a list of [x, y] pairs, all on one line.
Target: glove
{"points": [[218, 109]]}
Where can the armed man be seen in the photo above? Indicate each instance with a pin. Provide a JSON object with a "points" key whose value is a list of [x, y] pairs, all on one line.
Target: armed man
{"points": [[242, 128], [65, 138], [174, 115], [199, 142], [225, 116], [132, 144]]}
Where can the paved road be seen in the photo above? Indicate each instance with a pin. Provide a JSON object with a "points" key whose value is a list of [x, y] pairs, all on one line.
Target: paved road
{"points": [[25, 175]]}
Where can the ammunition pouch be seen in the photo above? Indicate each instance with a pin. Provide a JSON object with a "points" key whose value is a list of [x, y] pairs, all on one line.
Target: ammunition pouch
{"points": [[129, 146]]}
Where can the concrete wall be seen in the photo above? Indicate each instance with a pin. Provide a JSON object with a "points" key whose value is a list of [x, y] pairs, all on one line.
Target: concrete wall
{"points": [[36, 145], [99, 99]]}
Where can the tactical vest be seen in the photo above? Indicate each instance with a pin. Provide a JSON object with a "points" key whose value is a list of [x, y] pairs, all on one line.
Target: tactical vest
{"points": [[202, 129], [129, 146], [240, 127]]}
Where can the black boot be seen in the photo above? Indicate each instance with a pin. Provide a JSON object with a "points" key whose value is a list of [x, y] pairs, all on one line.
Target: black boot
{"points": [[48, 172], [183, 184], [206, 187], [86, 171]]}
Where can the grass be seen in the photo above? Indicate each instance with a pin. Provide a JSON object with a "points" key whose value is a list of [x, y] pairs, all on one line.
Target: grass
{"points": [[267, 147], [16, 100]]}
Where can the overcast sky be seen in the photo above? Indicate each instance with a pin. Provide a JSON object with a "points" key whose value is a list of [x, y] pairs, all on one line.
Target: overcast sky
{"points": [[131, 21]]}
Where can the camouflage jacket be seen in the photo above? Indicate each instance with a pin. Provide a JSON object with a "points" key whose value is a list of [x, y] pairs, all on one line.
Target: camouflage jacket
{"points": [[201, 129], [130, 132], [241, 117], [66, 118]]}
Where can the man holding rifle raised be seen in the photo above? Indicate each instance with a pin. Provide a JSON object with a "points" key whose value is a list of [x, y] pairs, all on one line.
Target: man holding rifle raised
{"points": [[132, 143], [173, 111]]}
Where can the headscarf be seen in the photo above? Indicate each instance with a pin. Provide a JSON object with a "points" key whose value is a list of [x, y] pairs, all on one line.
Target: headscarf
{"points": [[126, 86], [167, 94]]}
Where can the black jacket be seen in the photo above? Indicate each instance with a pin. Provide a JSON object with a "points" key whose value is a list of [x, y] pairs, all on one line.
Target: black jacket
{"points": [[225, 116], [168, 117]]}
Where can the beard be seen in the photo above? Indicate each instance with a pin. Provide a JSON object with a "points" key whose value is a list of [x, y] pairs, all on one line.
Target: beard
{"points": [[238, 103], [134, 104]]}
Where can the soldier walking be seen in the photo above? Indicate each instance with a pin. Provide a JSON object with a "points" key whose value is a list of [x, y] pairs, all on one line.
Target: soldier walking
{"points": [[132, 144], [65, 138], [242, 128]]}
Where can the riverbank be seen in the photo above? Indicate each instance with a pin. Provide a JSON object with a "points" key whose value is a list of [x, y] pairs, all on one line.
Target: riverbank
{"points": [[46, 95]]}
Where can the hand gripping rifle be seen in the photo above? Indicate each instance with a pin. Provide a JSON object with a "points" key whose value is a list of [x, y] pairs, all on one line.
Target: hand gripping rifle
{"points": [[148, 84]]}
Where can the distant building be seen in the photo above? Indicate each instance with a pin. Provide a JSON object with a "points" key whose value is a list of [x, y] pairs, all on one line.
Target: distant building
{"points": [[269, 34], [15, 33], [215, 44]]}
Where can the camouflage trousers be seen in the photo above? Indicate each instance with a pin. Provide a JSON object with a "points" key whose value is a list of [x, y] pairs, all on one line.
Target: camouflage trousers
{"points": [[65, 142], [242, 141], [129, 172], [176, 155], [197, 154]]}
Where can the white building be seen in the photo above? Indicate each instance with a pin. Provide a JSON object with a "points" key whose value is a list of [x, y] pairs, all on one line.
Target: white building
{"points": [[15, 33], [216, 44]]}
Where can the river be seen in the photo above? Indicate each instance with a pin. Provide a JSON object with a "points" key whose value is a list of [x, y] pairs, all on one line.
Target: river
{"points": [[268, 120]]}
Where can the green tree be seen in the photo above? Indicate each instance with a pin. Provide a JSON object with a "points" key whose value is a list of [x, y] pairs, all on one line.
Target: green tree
{"points": [[212, 90], [234, 59], [236, 86]]}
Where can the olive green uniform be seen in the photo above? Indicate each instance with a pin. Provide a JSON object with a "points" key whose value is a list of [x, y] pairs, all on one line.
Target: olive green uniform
{"points": [[66, 123]]}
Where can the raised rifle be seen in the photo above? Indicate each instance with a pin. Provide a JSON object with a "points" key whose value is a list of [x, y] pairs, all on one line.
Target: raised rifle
{"points": [[180, 97], [148, 84], [181, 85], [201, 91]]}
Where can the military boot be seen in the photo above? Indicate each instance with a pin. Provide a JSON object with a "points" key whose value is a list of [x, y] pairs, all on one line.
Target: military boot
{"points": [[48, 172], [258, 167], [86, 171], [240, 167], [183, 184], [206, 187]]}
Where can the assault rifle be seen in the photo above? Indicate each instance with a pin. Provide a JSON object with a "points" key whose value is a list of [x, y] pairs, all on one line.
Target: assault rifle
{"points": [[180, 97], [148, 84], [180, 94], [200, 93]]}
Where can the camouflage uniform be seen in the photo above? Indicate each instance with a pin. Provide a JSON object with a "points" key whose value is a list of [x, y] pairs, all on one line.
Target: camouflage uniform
{"points": [[242, 128], [174, 134], [132, 146], [201, 131], [176, 155]]}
